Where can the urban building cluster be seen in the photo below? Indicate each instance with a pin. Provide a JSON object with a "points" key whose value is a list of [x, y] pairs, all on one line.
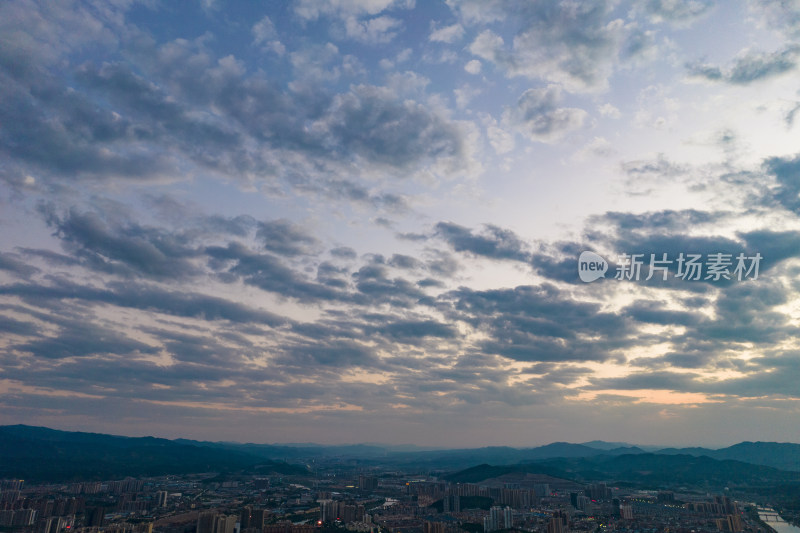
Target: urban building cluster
{"points": [[375, 501]]}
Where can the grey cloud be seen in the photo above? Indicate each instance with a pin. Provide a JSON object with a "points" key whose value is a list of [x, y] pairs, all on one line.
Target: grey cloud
{"points": [[14, 265], [540, 324], [353, 124], [372, 123], [495, 242], [177, 303], [177, 214], [685, 360], [679, 12], [17, 327], [53, 130], [239, 226], [787, 173], [177, 104], [344, 252], [666, 220], [638, 44], [412, 236], [645, 174], [329, 353], [267, 272], [558, 261], [285, 238], [697, 356], [441, 263], [411, 331], [572, 44], [333, 276], [375, 286], [779, 14], [777, 373], [750, 67], [81, 339], [128, 250], [198, 349], [745, 314], [538, 115], [774, 246], [654, 313], [404, 261], [661, 380], [354, 192]]}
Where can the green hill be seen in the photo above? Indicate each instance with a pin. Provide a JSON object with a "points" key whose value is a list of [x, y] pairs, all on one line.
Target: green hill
{"points": [[41, 454]]}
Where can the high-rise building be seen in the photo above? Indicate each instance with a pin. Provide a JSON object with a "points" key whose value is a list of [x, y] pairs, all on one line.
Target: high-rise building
{"points": [[626, 512], [245, 515], [583, 503], [666, 496], [367, 483], [541, 490], [161, 498], [205, 522], [734, 522], [451, 503], [27, 517], [499, 518], [496, 514], [11, 484], [598, 491], [327, 510], [257, 518], [557, 525], [508, 518], [434, 527], [18, 518], [95, 516], [224, 523], [615, 507]]}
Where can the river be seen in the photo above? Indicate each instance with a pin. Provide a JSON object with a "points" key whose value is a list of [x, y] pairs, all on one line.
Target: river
{"points": [[776, 522]]}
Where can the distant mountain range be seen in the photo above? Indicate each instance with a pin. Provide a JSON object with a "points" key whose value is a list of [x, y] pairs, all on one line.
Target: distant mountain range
{"points": [[42, 454], [783, 455], [645, 469], [38, 453]]}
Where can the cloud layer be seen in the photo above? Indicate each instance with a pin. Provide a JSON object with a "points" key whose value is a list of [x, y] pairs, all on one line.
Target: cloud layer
{"points": [[351, 221]]}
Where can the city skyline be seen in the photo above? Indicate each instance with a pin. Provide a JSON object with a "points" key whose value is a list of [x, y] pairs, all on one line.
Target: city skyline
{"points": [[348, 221]]}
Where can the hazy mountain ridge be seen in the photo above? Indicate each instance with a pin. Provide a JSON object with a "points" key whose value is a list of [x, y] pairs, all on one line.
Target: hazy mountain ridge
{"points": [[36, 452], [781, 455], [39, 454], [646, 469]]}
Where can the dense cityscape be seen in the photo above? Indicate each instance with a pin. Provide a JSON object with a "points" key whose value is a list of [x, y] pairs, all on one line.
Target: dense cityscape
{"points": [[339, 495]]}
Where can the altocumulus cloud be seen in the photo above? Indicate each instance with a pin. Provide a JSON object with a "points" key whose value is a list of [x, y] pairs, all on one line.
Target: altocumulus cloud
{"points": [[341, 219]]}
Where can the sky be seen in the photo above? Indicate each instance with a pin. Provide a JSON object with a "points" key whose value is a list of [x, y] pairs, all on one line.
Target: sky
{"points": [[342, 221]]}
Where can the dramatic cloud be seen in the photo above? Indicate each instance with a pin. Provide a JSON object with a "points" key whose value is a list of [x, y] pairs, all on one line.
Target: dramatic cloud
{"points": [[330, 220]]}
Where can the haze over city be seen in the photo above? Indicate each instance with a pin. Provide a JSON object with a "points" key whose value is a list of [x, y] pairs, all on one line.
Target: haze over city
{"points": [[342, 221]]}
